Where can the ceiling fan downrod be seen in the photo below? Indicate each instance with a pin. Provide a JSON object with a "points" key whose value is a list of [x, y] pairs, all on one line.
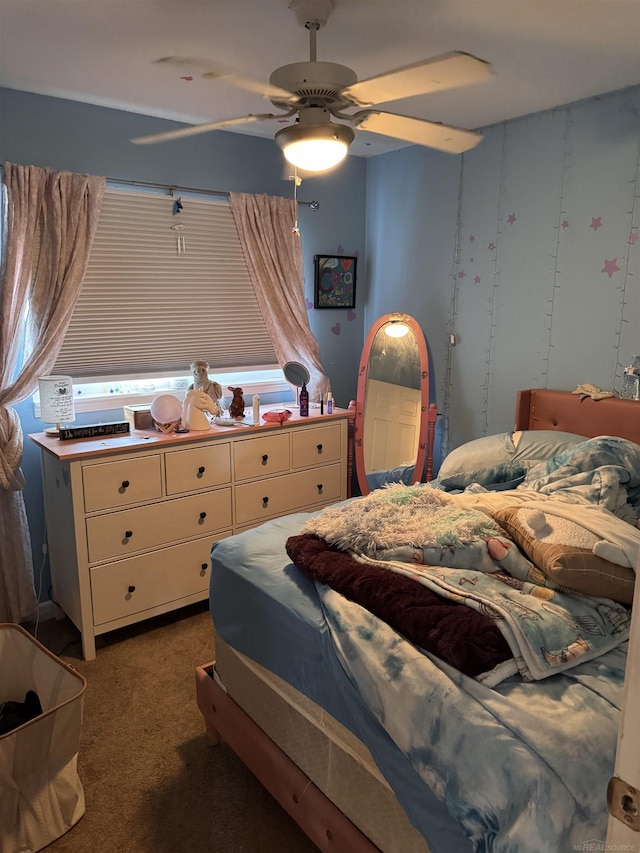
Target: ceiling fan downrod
{"points": [[312, 15]]}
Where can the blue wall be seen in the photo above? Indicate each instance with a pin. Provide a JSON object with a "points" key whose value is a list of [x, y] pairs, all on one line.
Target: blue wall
{"points": [[526, 249]]}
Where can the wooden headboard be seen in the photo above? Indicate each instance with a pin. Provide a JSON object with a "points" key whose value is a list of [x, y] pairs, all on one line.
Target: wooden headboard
{"points": [[538, 408]]}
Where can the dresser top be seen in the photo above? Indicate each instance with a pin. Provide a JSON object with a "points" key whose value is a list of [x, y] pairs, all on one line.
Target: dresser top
{"points": [[144, 439]]}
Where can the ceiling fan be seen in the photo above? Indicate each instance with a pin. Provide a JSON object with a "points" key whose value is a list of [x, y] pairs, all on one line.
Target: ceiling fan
{"points": [[319, 92]]}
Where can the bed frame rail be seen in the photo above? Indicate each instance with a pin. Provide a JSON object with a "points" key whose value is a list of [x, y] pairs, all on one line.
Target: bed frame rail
{"points": [[305, 803]]}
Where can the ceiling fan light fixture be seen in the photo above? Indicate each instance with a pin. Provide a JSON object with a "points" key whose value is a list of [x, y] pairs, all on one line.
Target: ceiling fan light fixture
{"points": [[315, 148]]}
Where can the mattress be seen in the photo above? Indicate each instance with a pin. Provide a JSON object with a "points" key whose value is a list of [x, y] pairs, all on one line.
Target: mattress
{"points": [[338, 763], [254, 584]]}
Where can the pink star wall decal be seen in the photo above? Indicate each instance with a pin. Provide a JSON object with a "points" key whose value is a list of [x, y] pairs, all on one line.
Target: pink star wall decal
{"points": [[634, 237], [596, 222], [491, 247], [472, 239], [461, 274], [471, 260], [610, 267], [565, 223], [476, 279], [511, 218]]}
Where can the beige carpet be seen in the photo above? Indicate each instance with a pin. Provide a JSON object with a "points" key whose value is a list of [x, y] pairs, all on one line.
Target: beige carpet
{"points": [[152, 782]]}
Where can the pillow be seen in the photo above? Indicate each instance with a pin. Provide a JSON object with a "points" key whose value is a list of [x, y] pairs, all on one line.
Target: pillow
{"points": [[577, 569], [542, 444], [502, 475], [481, 453], [524, 446]]}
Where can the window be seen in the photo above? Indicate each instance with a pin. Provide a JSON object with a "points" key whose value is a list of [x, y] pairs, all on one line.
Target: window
{"points": [[162, 290]]}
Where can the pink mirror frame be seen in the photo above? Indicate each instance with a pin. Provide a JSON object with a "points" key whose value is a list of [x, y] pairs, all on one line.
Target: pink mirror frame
{"points": [[424, 456]]}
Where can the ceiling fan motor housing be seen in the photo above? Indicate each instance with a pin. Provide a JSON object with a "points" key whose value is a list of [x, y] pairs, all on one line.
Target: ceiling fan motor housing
{"points": [[312, 12], [315, 83]]}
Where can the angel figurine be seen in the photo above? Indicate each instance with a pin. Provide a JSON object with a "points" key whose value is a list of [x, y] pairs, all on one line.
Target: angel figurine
{"points": [[201, 382]]}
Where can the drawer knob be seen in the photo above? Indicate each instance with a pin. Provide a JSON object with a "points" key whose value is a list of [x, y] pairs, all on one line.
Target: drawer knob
{"points": [[128, 534], [132, 589], [319, 488], [319, 447], [265, 502], [201, 470], [203, 515], [265, 458], [125, 484]]}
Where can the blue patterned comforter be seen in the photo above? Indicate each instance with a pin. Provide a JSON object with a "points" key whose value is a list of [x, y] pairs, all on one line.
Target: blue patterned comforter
{"points": [[516, 768], [521, 769]]}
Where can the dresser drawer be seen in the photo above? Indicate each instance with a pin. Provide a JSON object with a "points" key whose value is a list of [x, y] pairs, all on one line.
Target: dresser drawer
{"points": [[120, 533], [260, 457], [114, 484], [316, 446], [141, 583], [199, 468], [289, 493]]}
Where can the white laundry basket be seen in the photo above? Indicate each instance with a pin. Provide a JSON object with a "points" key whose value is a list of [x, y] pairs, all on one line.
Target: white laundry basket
{"points": [[41, 795]]}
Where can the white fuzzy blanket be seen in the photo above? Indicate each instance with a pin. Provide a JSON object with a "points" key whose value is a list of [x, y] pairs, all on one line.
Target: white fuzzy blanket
{"points": [[399, 515]]}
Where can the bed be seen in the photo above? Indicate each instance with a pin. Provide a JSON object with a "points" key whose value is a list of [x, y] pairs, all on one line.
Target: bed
{"points": [[376, 734]]}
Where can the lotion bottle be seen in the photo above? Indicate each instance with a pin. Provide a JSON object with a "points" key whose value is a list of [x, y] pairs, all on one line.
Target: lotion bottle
{"points": [[256, 410], [304, 401]]}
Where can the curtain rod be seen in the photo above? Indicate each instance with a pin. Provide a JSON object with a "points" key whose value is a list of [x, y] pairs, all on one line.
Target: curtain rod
{"points": [[172, 188]]}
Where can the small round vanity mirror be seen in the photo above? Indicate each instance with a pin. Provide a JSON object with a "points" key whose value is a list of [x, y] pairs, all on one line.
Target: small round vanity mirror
{"points": [[296, 374]]}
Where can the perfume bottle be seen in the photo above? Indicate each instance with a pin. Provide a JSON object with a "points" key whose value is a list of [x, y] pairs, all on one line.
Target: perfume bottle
{"points": [[329, 403], [304, 401]]}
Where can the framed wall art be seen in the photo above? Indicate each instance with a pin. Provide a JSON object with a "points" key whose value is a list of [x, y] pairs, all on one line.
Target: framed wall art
{"points": [[335, 281]]}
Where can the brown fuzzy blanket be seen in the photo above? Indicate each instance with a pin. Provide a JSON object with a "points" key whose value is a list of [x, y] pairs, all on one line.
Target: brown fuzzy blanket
{"points": [[458, 635]]}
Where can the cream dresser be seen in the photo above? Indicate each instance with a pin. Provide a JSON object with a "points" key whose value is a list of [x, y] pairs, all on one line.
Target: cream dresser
{"points": [[131, 519]]}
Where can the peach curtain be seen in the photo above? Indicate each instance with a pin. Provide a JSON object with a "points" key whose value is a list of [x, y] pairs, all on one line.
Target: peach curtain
{"points": [[37, 298], [271, 243]]}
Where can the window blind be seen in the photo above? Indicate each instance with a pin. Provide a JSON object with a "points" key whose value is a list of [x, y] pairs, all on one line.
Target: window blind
{"points": [[162, 290]]}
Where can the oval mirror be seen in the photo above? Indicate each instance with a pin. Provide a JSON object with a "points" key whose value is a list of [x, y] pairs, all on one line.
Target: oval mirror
{"points": [[393, 416]]}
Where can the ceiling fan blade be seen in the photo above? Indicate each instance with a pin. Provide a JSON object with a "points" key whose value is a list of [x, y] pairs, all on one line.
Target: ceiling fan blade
{"points": [[265, 90], [207, 69], [443, 72], [194, 130], [453, 140]]}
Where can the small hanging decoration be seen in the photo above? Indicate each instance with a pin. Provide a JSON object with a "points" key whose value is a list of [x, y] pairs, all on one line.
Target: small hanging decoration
{"points": [[181, 245], [177, 205]]}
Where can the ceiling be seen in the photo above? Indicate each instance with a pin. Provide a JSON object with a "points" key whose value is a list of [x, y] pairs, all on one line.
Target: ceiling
{"points": [[545, 53]]}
